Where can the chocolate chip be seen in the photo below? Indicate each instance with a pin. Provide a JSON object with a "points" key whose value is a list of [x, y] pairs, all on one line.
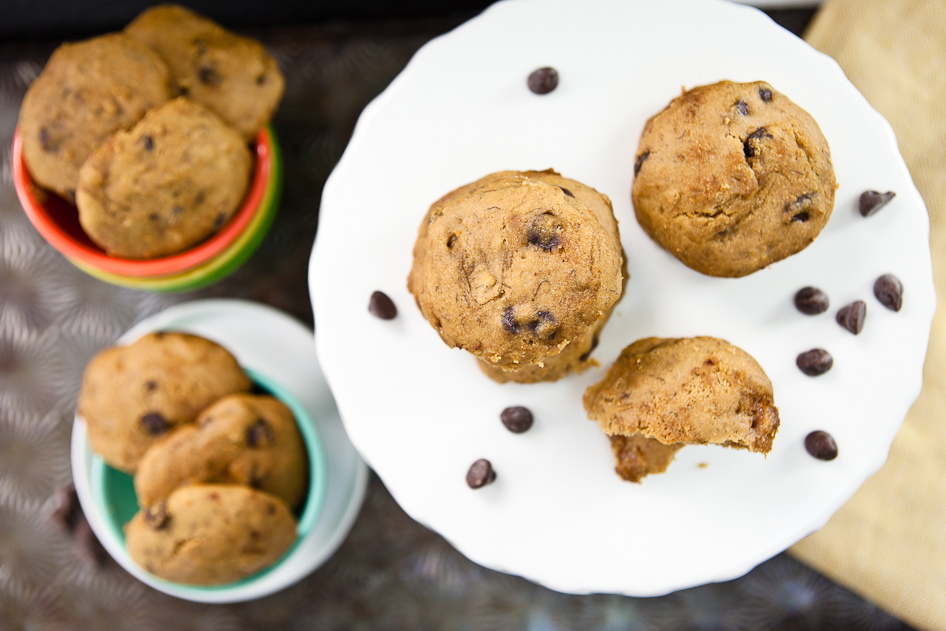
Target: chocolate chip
{"points": [[480, 474], [851, 316], [566, 191], [154, 424], [45, 140], [219, 220], [799, 207], [544, 232], [177, 210], [68, 510], [148, 143], [889, 291], [509, 321], [815, 362], [543, 80], [154, 217], [517, 419], [811, 301], [151, 385], [260, 79], [208, 76], [752, 144], [260, 434], [742, 107], [381, 306], [88, 547], [765, 94], [156, 516], [594, 344], [872, 201], [451, 241], [639, 162], [543, 326], [821, 445]]}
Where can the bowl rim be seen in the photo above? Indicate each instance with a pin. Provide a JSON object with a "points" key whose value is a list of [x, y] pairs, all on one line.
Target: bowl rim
{"points": [[305, 520], [92, 256]]}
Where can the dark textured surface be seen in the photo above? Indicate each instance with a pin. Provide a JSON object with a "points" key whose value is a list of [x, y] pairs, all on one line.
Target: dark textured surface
{"points": [[390, 573]]}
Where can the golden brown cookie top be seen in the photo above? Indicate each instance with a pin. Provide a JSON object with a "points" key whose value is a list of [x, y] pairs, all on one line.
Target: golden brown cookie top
{"points": [[133, 395], [211, 534], [517, 265], [86, 91], [686, 390], [240, 439], [170, 182], [732, 177], [231, 74]]}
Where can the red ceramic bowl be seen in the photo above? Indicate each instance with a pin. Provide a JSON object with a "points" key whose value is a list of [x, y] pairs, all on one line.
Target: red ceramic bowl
{"points": [[58, 221]]}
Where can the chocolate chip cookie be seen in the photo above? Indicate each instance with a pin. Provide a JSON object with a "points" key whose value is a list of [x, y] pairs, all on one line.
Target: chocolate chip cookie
{"points": [[87, 91], [521, 269], [170, 182], [231, 74], [686, 391], [732, 177], [241, 439], [211, 534], [133, 395]]}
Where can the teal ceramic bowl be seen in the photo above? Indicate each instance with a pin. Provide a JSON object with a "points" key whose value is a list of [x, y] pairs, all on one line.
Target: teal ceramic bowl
{"points": [[114, 501]]}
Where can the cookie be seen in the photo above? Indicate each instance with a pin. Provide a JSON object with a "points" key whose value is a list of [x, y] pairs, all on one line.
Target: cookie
{"points": [[87, 91], [170, 182], [521, 269], [637, 456], [132, 395], [241, 439], [231, 74], [211, 534], [686, 390], [732, 177]]}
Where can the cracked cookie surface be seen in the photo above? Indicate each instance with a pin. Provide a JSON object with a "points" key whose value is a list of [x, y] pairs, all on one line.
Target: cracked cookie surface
{"points": [[732, 177], [211, 534], [694, 390], [522, 270]]}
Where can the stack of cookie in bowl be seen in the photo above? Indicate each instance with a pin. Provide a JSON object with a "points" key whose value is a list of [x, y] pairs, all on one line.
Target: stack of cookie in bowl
{"points": [[225, 475], [146, 156]]}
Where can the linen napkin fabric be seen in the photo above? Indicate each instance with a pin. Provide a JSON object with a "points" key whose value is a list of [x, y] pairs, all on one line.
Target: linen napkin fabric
{"points": [[888, 542]]}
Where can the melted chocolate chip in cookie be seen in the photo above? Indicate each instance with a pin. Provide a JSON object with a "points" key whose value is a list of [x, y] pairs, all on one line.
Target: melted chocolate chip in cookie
{"points": [[544, 232], [260, 434], [154, 423], [156, 516]]}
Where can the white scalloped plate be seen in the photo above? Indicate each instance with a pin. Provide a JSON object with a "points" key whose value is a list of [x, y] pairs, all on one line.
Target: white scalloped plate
{"points": [[421, 413], [271, 343]]}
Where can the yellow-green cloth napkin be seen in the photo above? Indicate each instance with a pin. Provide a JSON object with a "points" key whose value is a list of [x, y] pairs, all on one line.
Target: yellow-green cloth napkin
{"points": [[888, 543]]}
